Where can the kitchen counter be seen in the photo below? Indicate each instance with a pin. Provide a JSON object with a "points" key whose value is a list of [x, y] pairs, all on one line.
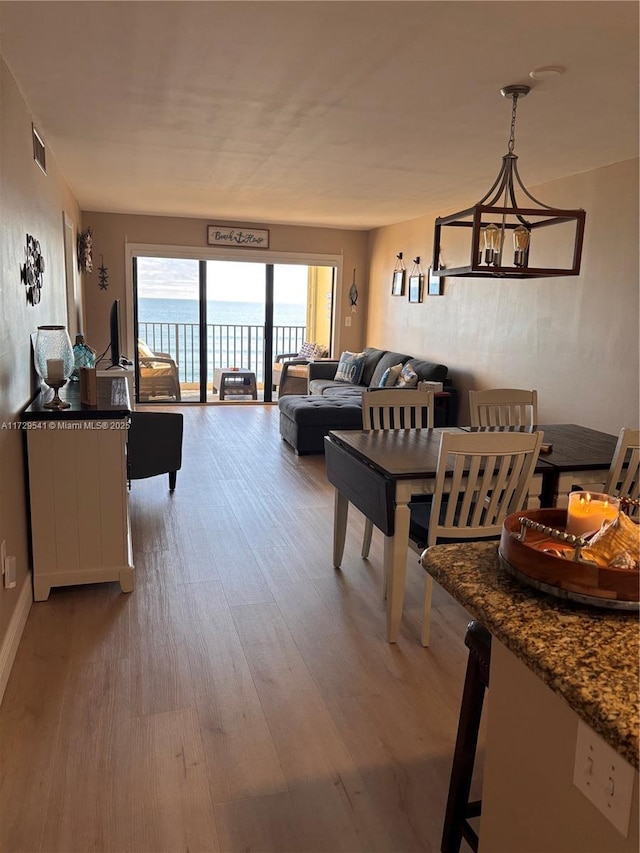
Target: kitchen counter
{"points": [[586, 655]]}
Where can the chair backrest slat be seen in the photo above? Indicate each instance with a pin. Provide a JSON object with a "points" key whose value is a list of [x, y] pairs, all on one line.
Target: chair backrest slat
{"points": [[624, 472], [503, 407], [397, 409], [485, 476]]}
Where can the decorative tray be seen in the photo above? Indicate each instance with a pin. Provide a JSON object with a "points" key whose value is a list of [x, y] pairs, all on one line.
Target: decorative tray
{"points": [[550, 563]]}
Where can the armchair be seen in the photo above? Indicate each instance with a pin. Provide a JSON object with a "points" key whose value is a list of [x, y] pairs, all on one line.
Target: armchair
{"points": [[154, 446], [157, 374], [290, 373]]}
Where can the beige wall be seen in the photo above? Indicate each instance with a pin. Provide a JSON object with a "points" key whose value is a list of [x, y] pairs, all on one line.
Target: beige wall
{"points": [[575, 339], [30, 203], [111, 232]]}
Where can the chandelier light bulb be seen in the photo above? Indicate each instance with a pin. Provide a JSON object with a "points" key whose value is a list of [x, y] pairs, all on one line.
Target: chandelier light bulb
{"points": [[521, 239], [491, 244]]}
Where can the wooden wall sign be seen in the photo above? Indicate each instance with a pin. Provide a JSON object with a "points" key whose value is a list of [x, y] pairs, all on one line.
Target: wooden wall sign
{"points": [[227, 235]]}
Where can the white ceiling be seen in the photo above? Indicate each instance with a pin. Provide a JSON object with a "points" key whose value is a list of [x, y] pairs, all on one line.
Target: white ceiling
{"points": [[344, 114]]}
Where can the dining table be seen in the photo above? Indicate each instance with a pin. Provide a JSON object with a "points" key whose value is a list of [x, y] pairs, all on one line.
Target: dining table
{"points": [[380, 471]]}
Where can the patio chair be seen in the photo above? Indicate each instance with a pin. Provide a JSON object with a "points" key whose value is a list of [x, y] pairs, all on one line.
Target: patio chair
{"points": [[158, 374], [289, 372], [503, 407], [481, 477]]}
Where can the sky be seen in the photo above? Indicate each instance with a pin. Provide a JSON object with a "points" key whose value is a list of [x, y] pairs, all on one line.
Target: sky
{"points": [[228, 281]]}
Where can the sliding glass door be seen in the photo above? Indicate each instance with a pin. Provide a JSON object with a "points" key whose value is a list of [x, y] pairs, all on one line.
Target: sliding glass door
{"points": [[201, 319]]}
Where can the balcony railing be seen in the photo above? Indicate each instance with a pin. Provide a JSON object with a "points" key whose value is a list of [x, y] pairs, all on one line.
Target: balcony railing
{"points": [[227, 345]]}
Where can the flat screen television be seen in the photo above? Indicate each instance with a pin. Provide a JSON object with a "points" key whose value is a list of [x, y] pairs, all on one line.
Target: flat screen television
{"points": [[114, 333]]}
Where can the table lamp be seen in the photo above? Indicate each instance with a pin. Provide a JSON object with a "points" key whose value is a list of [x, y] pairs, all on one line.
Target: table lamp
{"points": [[53, 358]]}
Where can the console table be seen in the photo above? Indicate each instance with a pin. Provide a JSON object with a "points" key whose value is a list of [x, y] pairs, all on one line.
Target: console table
{"points": [[80, 530]]}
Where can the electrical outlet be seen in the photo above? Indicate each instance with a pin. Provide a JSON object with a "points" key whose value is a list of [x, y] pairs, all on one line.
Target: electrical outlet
{"points": [[347, 321], [604, 777]]}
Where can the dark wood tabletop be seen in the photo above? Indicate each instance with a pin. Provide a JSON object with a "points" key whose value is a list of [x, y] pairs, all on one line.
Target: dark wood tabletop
{"points": [[113, 402], [574, 447], [396, 453]]}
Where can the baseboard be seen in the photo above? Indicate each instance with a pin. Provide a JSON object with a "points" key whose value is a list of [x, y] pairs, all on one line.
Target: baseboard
{"points": [[12, 638]]}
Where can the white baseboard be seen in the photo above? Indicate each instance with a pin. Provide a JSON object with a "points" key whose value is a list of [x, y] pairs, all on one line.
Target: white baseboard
{"points": [[12, 638]]}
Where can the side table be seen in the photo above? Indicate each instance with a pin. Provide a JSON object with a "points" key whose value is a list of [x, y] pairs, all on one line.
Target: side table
{"points": [[235, 383]]}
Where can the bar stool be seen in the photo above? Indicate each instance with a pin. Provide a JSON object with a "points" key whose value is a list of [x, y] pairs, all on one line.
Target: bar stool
{"points": [[459, 809]]}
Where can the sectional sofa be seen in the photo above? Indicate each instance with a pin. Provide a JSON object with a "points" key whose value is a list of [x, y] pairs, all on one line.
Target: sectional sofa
{"points": [[333, 404]]}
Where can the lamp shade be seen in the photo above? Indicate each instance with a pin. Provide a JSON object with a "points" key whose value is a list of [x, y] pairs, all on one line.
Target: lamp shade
{"points": [[53, 356]]}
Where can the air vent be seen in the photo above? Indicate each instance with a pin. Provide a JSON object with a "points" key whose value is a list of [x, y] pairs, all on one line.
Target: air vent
{"points": [[39, 154]]}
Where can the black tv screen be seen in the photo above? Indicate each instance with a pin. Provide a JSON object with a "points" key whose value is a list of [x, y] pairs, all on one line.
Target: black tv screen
{"points": [[114, 333]]}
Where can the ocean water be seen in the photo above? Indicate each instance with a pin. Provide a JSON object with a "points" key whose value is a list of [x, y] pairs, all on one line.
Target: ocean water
{"points": [[221, 313], [229, 343]]}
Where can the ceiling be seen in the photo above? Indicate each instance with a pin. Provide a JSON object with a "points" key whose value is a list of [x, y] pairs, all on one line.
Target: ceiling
{"points": [[340, 114]]}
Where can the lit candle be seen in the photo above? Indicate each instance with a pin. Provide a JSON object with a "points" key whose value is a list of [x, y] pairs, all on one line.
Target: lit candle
{"points": [[587, 511], [55, 369]]}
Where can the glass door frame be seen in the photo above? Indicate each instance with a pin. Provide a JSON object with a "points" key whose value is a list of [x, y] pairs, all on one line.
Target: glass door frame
{"points": [[202, 253]]}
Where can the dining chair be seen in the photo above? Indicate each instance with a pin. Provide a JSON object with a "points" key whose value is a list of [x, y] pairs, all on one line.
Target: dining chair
{"points": [[481, 478], [503, 407], [394, 408], [624, 473]]}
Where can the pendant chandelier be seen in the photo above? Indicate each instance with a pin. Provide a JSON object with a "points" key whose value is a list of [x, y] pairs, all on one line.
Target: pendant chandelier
{"points": [[509, 240]]}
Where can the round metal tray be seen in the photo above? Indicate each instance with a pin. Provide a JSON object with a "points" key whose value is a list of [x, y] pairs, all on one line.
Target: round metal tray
{"points": [[567, 594]]}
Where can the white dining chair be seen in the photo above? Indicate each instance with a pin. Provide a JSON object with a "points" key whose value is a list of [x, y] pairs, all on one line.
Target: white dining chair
{"points": [[395, 408], [624, 473], [481, 478], [503, 407]]}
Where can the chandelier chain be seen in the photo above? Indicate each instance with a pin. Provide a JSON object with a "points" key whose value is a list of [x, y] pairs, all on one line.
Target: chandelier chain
{"points": [[512, 134]]}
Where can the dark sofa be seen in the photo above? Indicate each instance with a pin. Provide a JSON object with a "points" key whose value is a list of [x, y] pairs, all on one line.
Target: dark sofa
{"points": [[331, 405]]}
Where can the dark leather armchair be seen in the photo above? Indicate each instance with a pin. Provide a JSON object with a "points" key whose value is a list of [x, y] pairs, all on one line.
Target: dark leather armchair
{"points": [[154, 446]]}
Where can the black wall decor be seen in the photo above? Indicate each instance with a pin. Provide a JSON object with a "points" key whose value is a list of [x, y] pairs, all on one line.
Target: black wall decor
{"points": [[103, 275], [31, 273]]}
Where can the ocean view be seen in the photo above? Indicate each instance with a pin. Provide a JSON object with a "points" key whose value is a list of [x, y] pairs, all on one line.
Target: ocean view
{"points": [[218, 312], [235, 332]]}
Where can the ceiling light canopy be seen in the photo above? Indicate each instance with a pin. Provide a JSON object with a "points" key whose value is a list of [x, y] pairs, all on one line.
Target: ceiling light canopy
{"points": [[509, 240]]}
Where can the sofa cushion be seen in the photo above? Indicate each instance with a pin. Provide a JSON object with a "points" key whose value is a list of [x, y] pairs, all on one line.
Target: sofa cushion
{"points": [[387, 360], [428, 371], [336, 389], [350, 367], [371, 358]]}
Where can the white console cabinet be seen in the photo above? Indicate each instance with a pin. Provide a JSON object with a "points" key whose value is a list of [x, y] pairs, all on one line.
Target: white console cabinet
{"points": [[78, 491]]}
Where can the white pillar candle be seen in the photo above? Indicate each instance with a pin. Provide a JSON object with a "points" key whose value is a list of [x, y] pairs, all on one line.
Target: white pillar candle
{"points": [[55, 369], [587, 511]]}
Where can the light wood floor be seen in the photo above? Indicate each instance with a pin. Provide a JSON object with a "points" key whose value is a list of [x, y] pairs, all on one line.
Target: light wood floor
{"points": [[243, 697]]}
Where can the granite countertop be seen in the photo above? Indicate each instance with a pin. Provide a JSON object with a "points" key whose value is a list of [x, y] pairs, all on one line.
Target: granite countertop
{"points": [[587, 655]]}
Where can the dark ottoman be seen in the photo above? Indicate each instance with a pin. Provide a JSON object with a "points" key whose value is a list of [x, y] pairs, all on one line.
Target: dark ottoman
{"points": [[304, 421]]}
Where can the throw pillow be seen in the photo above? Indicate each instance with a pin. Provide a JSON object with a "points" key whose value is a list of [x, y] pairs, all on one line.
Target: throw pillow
{"points": [[408, 377], [144, 350], [350, 367], [390, 376], [311, 350]]}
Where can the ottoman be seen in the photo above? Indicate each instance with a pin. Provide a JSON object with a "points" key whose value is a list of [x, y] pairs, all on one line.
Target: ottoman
{"points": [[305, 420]]}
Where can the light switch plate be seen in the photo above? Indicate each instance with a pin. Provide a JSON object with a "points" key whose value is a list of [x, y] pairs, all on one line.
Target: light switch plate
{"points": [[604, 777]]}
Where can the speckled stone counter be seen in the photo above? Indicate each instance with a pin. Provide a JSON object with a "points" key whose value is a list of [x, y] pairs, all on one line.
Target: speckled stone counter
{"points": [[586, 655]]}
